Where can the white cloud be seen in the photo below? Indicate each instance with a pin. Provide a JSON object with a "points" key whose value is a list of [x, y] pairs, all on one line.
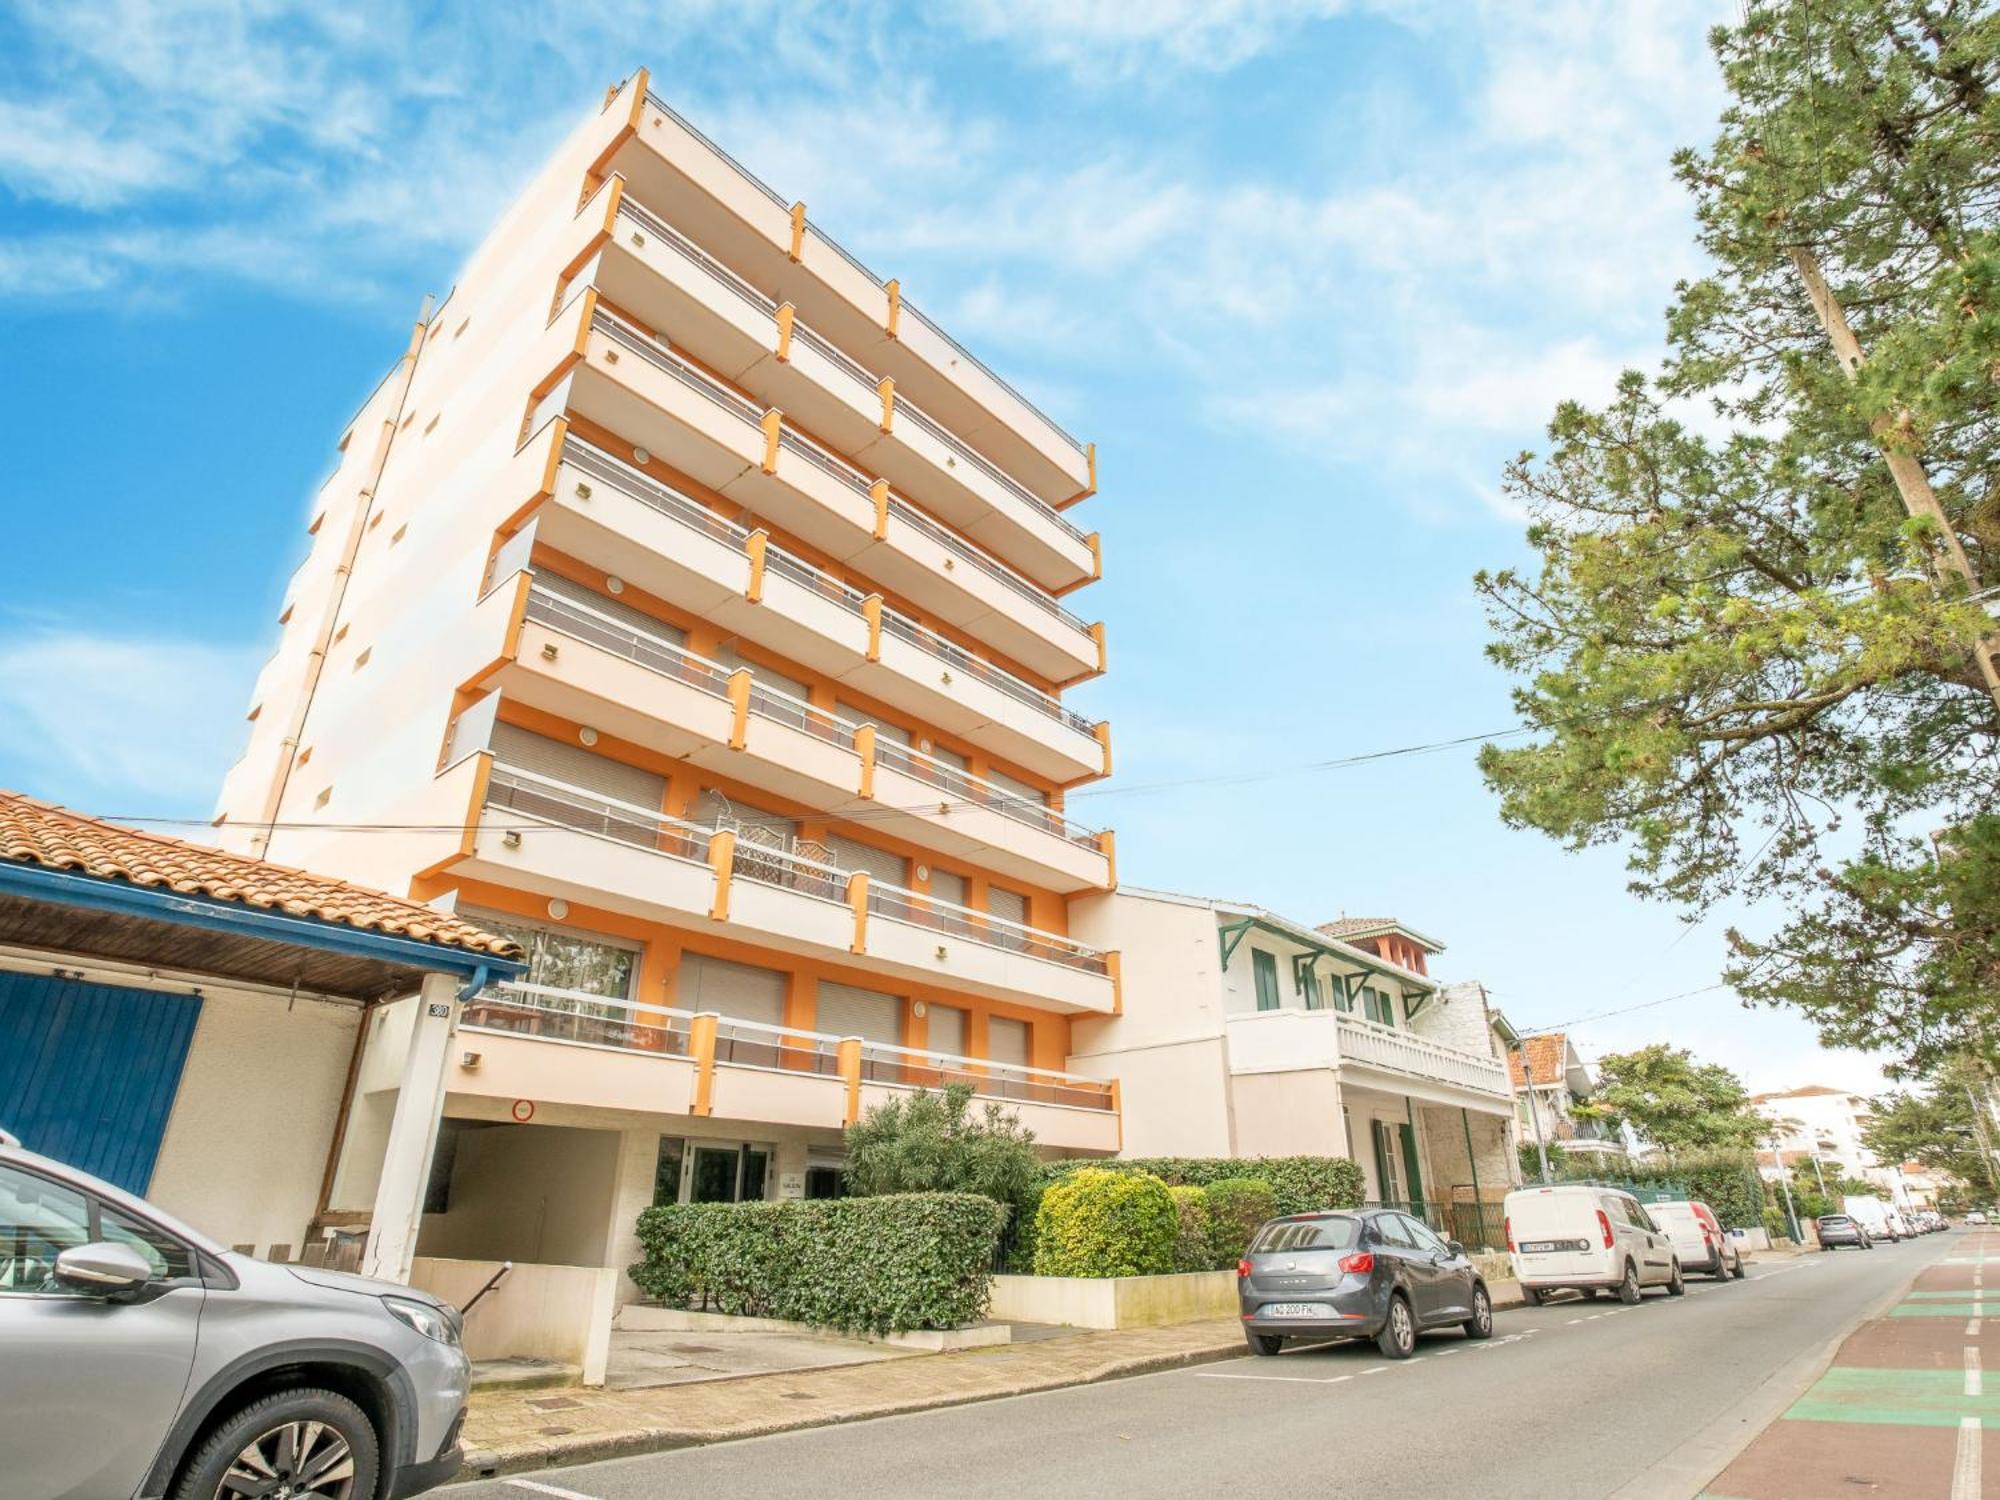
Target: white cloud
{"points": [[121, 723], [1094, 37]]}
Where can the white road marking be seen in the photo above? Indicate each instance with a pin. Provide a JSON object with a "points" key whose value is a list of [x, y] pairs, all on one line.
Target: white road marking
{"points": [[1965, 1471], [1573, 1322], [1972, 1328], [1283, 1379], [547, 1489], [1974, 1381]]}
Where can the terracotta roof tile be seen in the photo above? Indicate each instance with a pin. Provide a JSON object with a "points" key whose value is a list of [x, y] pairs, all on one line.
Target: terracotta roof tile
{"points": [[1349, 926], [39, 833], [1547, 1055]]}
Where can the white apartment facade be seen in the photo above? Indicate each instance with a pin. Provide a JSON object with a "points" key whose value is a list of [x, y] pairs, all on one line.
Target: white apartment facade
{"points": [[1254, 1035], [1822, 1124], [690, 608]]}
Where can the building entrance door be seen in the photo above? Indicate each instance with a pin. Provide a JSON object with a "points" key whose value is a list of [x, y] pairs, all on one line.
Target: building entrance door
{"points": [[727, 1174]]}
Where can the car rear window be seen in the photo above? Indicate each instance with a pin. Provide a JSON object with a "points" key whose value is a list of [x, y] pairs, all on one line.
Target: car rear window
{"points": [[1307, 1234], [1834, 1221]]}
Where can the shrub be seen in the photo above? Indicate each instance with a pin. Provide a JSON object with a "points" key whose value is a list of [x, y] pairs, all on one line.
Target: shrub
{"points": [[1099, 1223], [1726, 1180], [873, 1265], [1236, 1206], [1299, 1184], [933, 1143], [1191, 1231]]}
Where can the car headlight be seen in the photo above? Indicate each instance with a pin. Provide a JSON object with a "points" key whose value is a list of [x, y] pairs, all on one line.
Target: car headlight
{"points": [[432, 1322]]}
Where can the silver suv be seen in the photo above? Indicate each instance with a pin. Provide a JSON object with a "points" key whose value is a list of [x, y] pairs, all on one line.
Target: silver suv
{"points": [[143, 1359]]}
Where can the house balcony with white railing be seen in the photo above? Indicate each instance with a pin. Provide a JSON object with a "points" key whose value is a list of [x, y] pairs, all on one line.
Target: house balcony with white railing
{"points": [[774, 246], [534, 833], [631, 382], [777, 358], [1368, 1054], [571, 1047], [647, 533], [587, 668]]}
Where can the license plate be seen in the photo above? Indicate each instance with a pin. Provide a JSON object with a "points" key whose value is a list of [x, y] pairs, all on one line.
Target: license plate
{"points": [[1295, 1310], [1546, 1247]]}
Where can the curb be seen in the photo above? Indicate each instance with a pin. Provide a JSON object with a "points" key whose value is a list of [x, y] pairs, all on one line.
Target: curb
{"points": [[595, 1447]]}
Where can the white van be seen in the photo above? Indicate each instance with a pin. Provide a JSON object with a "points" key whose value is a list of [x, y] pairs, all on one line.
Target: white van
{"points": [[1875, 1216], [1589, 1238], [1699, 1239]]}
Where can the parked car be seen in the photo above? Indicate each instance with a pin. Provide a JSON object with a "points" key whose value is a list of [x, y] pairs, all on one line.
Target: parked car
{"points": [[1975, 1217], [1588, 1239], [1374, 1273], [1699, 1238], [1875, 1216], [1842, 1229], [142, 1358]]}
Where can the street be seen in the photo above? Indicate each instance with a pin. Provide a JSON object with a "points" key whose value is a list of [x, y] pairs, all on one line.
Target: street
{"points": [[1586, 1399]]}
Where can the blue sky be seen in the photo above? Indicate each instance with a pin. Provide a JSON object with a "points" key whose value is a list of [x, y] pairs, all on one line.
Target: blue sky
{"points": [[1307, 272]]}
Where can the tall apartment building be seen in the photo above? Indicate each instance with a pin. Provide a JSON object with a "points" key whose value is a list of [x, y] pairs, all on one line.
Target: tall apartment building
{"points": [[693, 609]]}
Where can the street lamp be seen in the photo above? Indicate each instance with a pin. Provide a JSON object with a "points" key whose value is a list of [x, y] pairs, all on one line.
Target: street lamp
{"points": [[1785, 1187]]}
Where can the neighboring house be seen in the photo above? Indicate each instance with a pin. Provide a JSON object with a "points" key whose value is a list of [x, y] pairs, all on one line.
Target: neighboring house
{"points": [[692, 610], [1823, 1125], [1249, 1034], [185, 1023], [1550, 1079]]}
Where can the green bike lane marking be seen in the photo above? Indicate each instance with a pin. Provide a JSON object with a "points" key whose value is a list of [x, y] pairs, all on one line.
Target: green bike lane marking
{"points": [[1905, 1398]]}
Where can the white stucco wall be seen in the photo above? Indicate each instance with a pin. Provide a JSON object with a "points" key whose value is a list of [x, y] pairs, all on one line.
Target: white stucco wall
{"points": [[538, 1193], [246, 1144]]}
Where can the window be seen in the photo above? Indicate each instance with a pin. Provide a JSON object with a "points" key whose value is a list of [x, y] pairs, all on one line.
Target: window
{"points": [[1264, 969], [1378, 1005], [1392, 1229], [38, 1221], [168, 1257], [667, 1170], [569, 960], [1423, 1236], [1332, 1233], [1309, 982]]}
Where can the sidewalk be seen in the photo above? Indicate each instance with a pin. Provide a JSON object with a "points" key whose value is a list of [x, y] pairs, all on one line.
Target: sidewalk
{"points": [[512, 1431], [1902, 1410]]}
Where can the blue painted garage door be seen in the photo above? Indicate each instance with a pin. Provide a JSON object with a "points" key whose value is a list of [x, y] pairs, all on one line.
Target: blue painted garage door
{"points": [[88, 1071]]}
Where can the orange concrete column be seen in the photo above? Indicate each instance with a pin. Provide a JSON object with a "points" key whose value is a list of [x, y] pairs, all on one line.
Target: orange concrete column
{"points": [[754, 544], [864, 745], [871, 611], [879, 493], [850, 1070], [701, 1046], [886, 389], [857, 897], [722, 860], [773, 425], [739, 704], [787, 314]]}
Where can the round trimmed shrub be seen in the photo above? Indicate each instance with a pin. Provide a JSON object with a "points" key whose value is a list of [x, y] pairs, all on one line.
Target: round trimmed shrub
{"points": [[1236, 1206], [1099, 1223], [1191, 1251]]}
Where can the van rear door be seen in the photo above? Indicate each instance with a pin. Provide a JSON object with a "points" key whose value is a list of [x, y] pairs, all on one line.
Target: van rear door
{"points": [[1556, 1233]]}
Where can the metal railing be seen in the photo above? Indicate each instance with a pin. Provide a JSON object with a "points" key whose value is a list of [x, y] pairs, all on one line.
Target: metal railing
{"points": [[670, 659], [939, 915], [660, 356], [522, 1009], [688, 250], [998, 571], [671, 502], [920, 418], [518, 790], [1369, 1042], [768, 864], [654, 101], [882, 1062]]}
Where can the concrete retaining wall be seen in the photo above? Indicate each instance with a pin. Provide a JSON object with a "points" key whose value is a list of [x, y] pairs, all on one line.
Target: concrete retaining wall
{"points": [[558, 1313], [1116, 1301]]}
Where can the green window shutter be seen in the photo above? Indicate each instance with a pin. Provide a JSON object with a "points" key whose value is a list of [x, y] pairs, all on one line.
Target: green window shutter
{"points": [[1385, 1185], [1343, 993], [1264, 967], [1309, 982], [1410, 1167]]}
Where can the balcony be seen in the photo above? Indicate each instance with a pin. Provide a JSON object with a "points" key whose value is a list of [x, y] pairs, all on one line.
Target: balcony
{"points": [[762, 347], [619, 1054], [583, 666], [1367, 1053], [605, 512], [536, 834], [758, 235], [630, 382]]}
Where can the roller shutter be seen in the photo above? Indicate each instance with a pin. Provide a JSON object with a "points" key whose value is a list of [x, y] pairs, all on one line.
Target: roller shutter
{"points": [[1007, 1041], [947, 1030], [947, 885], [1015, 787], [575, 766], [741, 992], [880, 864], [856, 715], [849, 1010], [616, 609], [770, 677], [1011, 905]]}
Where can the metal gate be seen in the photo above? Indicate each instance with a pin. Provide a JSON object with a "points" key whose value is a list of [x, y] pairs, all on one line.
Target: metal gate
{"points": [[88, 1072]]}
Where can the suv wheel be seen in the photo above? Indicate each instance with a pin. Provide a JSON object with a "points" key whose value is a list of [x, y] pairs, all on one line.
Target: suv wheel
{"points": [[1677, 1287], [303, 1443], [1398, 1338], [1628, 1288]]}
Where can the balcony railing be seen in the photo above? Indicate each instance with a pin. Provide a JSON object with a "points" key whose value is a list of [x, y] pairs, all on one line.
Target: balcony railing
{"points": [[551, 1014], [868, 382], [669, 659], [519, 790], [654, 101], [1375, 1045], [672, 503]]}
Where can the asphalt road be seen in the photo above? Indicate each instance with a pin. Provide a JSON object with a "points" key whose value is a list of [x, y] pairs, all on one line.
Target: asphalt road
{"points": [[1586, 1399]]}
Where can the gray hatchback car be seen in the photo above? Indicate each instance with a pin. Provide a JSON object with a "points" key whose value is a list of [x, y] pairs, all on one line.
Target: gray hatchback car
{"points": [[139, 1358], [1373, 1273]]}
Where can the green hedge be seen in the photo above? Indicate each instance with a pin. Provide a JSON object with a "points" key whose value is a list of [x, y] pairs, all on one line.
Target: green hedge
{"points": [[1726, 1181], [1236, 1206], [1098, 1223], [1191, 1243], [873, 1265]]}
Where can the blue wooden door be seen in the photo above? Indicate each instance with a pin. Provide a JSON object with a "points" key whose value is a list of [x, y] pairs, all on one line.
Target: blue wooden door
{"points": [[88, 1072]]}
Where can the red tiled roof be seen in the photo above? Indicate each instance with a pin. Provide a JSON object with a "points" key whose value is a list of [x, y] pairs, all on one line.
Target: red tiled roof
{"points": [[1349, 926], [1547, 1055], [40, 833]]}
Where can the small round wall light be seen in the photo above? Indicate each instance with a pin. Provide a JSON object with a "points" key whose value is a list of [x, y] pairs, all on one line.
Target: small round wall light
{"points": [[558, 908], [587, 735], [641, 456], [614, 585]]}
